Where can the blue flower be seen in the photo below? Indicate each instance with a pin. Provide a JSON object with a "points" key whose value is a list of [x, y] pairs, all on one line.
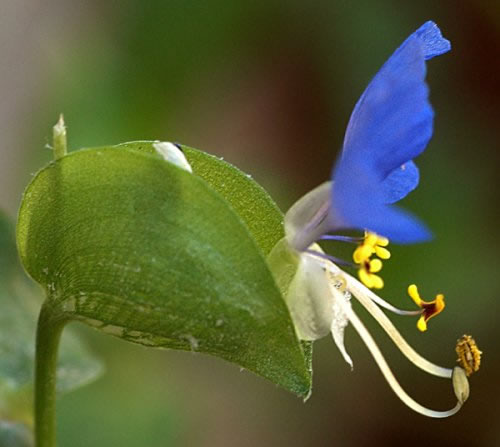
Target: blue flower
{"points": [[390, 126]]}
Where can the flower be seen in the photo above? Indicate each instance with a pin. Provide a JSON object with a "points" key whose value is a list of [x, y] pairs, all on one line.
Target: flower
{"points": [[391, 124]]}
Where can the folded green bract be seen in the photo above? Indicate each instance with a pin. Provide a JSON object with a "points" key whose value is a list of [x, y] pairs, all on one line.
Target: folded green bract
{"points": [[140, 249]]}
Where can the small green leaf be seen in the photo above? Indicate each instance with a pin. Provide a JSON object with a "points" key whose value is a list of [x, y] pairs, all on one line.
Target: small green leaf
{"points": [[20, 301], [140, 249]]}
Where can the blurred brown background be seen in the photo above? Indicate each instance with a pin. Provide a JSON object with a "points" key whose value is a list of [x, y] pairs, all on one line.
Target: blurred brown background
{"points": [[270, 87]]}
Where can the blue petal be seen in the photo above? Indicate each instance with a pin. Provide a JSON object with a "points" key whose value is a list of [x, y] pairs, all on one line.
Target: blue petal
{"points": [[392, 121], [403, 227], [359, 206], [434, 44], [400, 182], [390, 125]]}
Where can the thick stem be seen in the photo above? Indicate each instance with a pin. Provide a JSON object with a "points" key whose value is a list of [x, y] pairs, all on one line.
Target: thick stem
{"points": [[50, 326]]}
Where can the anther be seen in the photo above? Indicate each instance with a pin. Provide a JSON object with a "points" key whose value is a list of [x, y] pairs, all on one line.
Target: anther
{"points": [[362, 253], [372, 244], [375, 265], [469, 355], [429, 308], [382, 252], [370, 280]]}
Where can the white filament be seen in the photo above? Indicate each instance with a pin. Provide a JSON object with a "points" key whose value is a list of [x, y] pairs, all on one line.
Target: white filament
{"points": [[366, 298], [386, 371]]}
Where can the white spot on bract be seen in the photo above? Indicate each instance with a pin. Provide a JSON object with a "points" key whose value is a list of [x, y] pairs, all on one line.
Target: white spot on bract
{"points": [[219, 322], [171, 153]]}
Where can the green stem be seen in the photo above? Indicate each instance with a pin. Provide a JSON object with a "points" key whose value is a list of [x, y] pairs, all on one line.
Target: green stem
{"points": [[50, 326]]}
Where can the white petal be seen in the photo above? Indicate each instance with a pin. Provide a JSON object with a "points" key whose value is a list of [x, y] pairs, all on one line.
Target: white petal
{"points": [[310, 299], [309, 217], [310, 286]]}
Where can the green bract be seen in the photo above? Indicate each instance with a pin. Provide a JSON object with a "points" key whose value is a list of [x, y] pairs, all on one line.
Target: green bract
{"points": [[140, 249]]}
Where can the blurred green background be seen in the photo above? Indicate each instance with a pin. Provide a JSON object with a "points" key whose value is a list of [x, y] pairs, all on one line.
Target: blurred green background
{"points": [[270, 87]]}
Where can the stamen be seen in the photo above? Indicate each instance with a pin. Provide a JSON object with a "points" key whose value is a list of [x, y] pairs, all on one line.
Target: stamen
{"points": [[372, 244], [333, 237], [469, 355], [429, 308], [375, 265], [328, 258], [368, 299], [362, 253], [382, 252], [375, 298], [382, 241], [388, 374], [369, 279]]}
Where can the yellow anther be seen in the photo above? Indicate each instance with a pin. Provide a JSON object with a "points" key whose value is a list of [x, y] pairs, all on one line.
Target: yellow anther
{"points": [[382, 252], [375, 265], [370, 280], [367, 272], [372, 244], [365, 278], [377, 281], [362, 253], [422, 324], [371, 239], [414, 295], [429, 308], [374, 240], [382, 241], [469, 355]]}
